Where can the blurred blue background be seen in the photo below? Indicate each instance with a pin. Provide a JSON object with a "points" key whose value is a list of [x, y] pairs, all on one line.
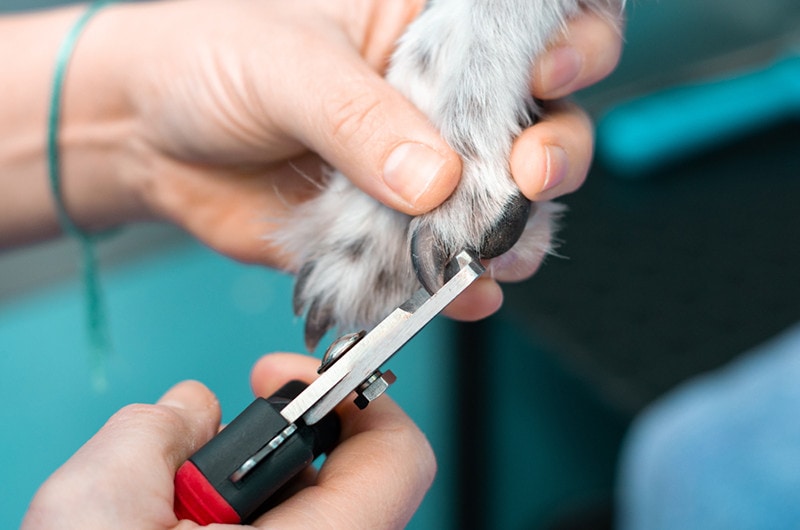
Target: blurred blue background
{"points": [[669, 275]]}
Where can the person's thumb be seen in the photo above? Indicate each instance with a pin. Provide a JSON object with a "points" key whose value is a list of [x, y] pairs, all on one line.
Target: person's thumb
{"points": [[196, 419], [365, 128], [168, 432], [122, 477]]}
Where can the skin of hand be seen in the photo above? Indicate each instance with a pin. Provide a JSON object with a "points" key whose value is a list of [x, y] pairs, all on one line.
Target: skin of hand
{"points": [[123, 476], [219, 116]]}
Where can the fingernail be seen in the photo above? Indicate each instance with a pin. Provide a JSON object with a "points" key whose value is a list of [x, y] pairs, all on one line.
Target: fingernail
{"points": [[556, 166], [411, 169], [558, 68]]}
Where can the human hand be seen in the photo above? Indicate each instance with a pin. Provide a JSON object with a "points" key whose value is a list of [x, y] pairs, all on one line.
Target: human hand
{"points": [[123, 477], [226, 113]]}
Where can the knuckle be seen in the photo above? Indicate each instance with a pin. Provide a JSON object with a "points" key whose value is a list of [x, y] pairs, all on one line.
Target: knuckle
{"points": [[354, 116], [568, 119], [428, 462], [608, 61], [138, 414], [414, 441], [605, 48]]}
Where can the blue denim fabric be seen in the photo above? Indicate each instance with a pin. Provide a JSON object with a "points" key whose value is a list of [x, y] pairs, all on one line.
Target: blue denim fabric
{"points": [[721, 451]]}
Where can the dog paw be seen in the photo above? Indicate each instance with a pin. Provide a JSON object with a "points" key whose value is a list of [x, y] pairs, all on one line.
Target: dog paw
{"points": [[466, 65], [351, 257], [357, 260]]}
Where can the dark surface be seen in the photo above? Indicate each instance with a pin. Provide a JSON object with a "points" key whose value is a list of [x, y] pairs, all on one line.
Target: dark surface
{"points": [[473, 466], [674, 275]]}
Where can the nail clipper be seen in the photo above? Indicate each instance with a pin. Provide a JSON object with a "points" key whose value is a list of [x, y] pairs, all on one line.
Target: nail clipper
{"points": [[233, 476]]}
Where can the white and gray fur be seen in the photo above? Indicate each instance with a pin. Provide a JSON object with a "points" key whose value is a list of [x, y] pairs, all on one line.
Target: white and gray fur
{"points": [[467, 65]]}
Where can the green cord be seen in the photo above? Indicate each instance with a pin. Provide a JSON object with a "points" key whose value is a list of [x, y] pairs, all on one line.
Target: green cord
{"points": [[97, 325]]}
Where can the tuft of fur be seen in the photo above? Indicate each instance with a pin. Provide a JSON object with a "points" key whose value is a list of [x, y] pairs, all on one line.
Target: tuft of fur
{"points": [[467, 65]]}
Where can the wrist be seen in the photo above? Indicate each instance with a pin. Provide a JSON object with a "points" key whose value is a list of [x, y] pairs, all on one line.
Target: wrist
{"points": [[94, 135], [97, 131]]}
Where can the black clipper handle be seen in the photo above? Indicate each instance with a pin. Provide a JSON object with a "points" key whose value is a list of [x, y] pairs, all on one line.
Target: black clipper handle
{"points": [[207, 486]]}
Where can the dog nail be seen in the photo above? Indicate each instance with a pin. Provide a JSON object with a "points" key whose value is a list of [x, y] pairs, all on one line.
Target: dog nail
{"points": [[319, 320], [299, 295], [428, 258], [508, 228]]}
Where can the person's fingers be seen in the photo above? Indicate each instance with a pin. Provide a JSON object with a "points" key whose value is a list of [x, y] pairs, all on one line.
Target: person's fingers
{"points": [[123, 473], [184, 418], [485, 296], [232, 210], [351, 489], [274, 370], [196, 420], [356, 121], [588, 51], [552, 158], [374, 27]]}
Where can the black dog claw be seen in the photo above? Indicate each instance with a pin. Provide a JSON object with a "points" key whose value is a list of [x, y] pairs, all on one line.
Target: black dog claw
{"points": [[429, 258]]}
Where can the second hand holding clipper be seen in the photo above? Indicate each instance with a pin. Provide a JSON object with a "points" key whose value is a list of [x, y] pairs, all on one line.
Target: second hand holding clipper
{"points": [[230, 479]]}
